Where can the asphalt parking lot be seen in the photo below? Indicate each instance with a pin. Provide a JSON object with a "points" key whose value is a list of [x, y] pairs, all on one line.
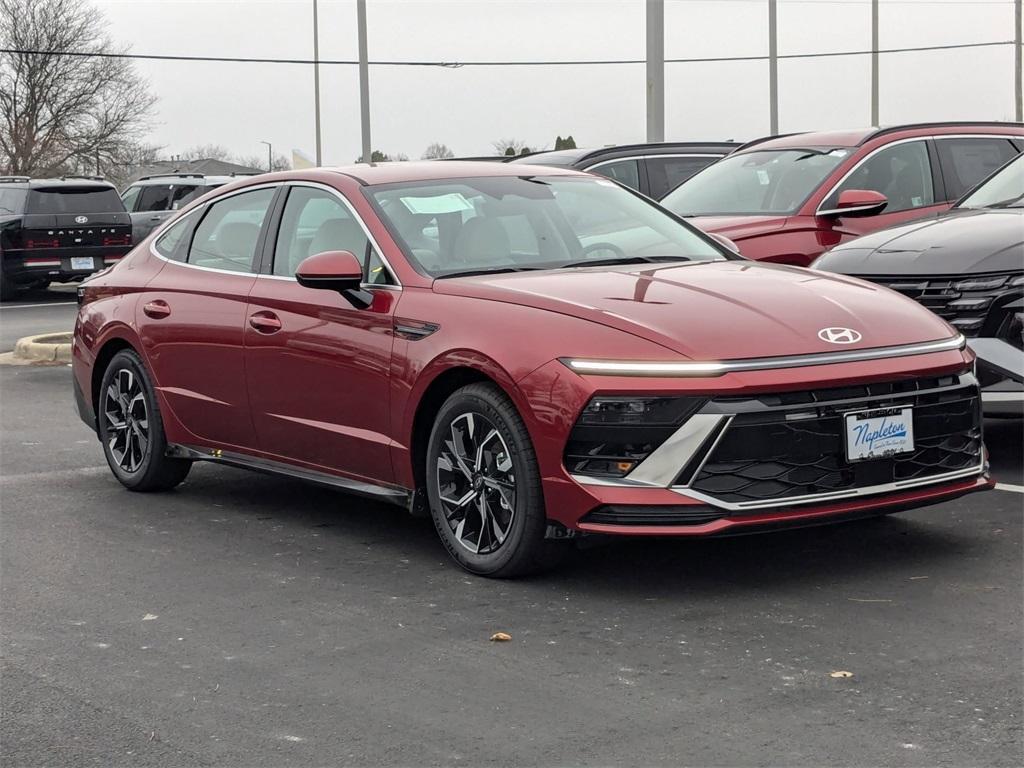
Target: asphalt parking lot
{"points": [[251, 620]]}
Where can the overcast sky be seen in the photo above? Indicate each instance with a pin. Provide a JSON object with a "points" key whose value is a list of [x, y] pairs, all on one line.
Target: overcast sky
{"points": [[238, 105]]}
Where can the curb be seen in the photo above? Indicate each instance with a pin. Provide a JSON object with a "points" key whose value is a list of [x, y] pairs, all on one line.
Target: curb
{"points": [[44, 348]]}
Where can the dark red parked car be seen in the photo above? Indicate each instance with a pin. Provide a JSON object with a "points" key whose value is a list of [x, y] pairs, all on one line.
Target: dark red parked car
{"points": [[527, 354], [788, 199]]}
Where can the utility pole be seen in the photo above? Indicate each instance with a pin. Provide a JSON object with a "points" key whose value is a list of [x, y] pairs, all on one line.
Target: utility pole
{"points": [[773, 67], [655, 70], [364, 81], [316, 84], [1018, 87], [270, 156], [874, 61]]}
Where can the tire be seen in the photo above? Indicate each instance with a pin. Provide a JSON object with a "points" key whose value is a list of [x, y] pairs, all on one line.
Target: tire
{"points": [[131, 430], [8, 290], [489, 512]]}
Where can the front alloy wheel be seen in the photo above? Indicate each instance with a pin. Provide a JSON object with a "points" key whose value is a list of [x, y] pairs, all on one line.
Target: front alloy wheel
{"points": [[477, 484], [484, 486]]}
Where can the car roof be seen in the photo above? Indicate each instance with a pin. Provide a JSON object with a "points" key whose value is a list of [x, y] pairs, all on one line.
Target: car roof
{"points": [[858, 136], [168, 178], [70, 181], [574, 156], [428, 170]]}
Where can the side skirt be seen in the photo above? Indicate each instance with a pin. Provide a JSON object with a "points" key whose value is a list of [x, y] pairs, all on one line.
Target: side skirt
{"points": [[403, 497]]}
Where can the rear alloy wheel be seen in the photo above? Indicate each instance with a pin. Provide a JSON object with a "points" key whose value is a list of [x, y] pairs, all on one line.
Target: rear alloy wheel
{"points": [[484, 486], [131, 430]]}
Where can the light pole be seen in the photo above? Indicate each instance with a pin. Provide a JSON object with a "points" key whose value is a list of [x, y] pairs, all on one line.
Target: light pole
{"points": [[875, 120], [316, 84], [270, 156], [364, 81], [655, 70], [773, 67]]}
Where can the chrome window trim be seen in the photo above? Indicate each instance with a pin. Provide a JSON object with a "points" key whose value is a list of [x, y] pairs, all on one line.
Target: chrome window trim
{"points": [[653, 157], [202, 208], [770, 363], [849, 493], [819, 211]]}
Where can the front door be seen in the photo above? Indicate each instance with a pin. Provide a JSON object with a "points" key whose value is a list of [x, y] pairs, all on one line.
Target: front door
{"points": [[318, 367]]}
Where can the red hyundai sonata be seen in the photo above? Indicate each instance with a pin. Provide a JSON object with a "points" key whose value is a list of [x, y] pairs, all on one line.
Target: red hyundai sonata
{"points": [[526, 354]]}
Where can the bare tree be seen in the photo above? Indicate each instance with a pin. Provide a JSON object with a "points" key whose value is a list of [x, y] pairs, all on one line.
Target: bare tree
{"points": [[510, 147], [280, 162], [437, 151], [60, 112], [207, 152]]}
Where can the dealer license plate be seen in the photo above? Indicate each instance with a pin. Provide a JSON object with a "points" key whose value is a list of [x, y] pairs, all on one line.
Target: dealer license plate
{"points": [[878, 433]]}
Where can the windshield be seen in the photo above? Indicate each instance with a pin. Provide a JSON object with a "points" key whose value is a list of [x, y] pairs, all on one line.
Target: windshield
{"points": [[1003, 189], [770, 181], [508, 223]]}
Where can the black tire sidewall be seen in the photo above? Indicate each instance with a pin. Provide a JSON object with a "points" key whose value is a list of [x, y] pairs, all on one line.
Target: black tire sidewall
{"points": [[529, 518], [127, 359]]}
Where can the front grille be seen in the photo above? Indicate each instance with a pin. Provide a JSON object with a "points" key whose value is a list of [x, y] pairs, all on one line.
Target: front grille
{"points": [[776, 449], [974, 304]]}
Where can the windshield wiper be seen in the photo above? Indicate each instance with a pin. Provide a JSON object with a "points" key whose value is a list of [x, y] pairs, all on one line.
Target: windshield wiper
{"points": [[1008, 203], [497, 271], [619, 260]]}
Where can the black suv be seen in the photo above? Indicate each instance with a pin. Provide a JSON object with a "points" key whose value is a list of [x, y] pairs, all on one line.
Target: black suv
{"points": [[57, 230], [654, 169], [153, 199]]}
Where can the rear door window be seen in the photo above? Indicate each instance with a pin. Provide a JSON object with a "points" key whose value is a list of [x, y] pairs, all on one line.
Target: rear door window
{"points": [[155, 197], [966, 161], [666, 173], [12, 200], [625, 171], [61, 200], [171, 244], [182, 194], [226, 238]]}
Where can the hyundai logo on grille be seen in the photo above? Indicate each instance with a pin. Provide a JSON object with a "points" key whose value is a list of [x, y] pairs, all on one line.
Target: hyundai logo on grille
{"points": [[839, 335], [81, 219]]}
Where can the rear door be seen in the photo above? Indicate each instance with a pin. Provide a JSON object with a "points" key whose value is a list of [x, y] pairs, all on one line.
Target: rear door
{"points": [[152, 207], [192, 316]]}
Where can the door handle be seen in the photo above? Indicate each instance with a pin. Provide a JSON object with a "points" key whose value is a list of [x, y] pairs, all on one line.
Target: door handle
{"points": [[265, 322], [156, 218], [157, 309]]}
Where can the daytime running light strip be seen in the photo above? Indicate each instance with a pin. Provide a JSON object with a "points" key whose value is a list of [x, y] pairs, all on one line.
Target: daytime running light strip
{"points": [[625, 368]]}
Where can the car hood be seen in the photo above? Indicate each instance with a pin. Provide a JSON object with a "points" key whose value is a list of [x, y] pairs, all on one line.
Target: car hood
{"points": [[716, 310], [959, 242], [738, 228]]}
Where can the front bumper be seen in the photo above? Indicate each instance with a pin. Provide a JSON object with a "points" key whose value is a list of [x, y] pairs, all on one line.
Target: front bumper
{"points": [[782, 459]]}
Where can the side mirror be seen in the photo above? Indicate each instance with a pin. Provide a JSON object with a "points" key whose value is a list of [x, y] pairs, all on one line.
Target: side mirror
{"points": [[335, 271], [858, 202], [725, 241]]}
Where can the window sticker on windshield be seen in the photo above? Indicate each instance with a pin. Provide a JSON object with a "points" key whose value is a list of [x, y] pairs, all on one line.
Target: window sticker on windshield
{"points": [[839, 153], [453, 202], [763, 178]]}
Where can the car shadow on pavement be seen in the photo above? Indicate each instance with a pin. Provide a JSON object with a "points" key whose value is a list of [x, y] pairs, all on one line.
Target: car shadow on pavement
{"points": [[642, 568]]}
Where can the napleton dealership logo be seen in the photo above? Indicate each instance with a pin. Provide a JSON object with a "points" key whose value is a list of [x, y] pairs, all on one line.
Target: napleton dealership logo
{"points": [[839, 335], [81, 219]]}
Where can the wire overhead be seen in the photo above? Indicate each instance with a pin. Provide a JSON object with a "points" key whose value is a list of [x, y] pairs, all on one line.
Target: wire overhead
{"points": [[459, 64]]}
